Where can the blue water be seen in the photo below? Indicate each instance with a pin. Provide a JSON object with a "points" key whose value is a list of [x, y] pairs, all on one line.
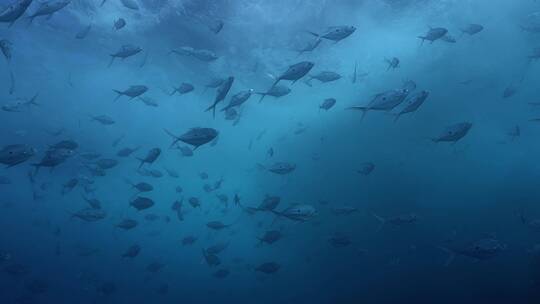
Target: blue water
{"points": [[371, 210]]}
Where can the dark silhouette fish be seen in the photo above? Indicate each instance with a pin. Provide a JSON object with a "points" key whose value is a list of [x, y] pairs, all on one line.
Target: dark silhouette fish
{"points": [[222, 92], [11, 13], [125, 51], [195, 137], [49, 8], [151, 157]]}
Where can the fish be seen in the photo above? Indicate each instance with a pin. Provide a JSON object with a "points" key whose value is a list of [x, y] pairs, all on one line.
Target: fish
{"points": [[327, 104], [295, 72], [481, 249], [270, 237], [132, 251], [83, 32], [177, 208], [131, 4], [393, 63], [413, 103], [268, 268], [14, 11], [195, 136], [238, 99], [280, 168], [324, 77], [366, 168], [275, 91], [454, 133], [200, 54], [434, 34], [141, 203], [385, 101], [53, 158], [12, 155], [151, 157], [103, 119], [297, 212], [184, 88], [90, 214], [148, 101], [127, 224], [6, 47], [472, 29], [49, 8], [125, 51], [336, 33], [222, 92], [125, 152], [119, 24], [131, 92], [310, 46], [398, 220]]}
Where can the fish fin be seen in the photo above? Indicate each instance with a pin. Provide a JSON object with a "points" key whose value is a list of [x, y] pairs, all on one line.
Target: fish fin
{"points": [[363, 109], [423, 39], [451, 255], [262, 95], [141, 160], [381, 220], [314, 34], [111, 62], [118, 96]]}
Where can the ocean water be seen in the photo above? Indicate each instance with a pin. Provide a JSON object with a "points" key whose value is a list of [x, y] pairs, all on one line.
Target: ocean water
{"points": [[283, 200]]}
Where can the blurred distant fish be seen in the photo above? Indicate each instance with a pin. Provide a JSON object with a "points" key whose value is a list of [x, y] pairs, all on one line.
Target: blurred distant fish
{"points": [[20, 106], [393, 63], [310, 46], [449, 38], [535, 54], [509, 91], [103, 119], [366, 168], [131, 92], [280, 168], [131, 4], [125, 51], [186, 151], [125, 152], [434, 34], [119, 24], [531, 23], [215, 26], [514, 133], [11, 13], [144, 60], [149, 101], [336, 33], [84, 32], [454, 133], [214, 83], [49, 8], [327, 104], [472, 29], [200, 54], [183, 88], [7, 48], [275, 91], [324, 77]]}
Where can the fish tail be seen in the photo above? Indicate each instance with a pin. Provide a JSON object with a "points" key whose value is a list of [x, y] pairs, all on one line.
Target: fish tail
{"points": [[263, 95], [142, 162], [423, 39], [111, 62], [314, 34], [451, 255], [119, 94], [363, 109], [381, 220]]}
